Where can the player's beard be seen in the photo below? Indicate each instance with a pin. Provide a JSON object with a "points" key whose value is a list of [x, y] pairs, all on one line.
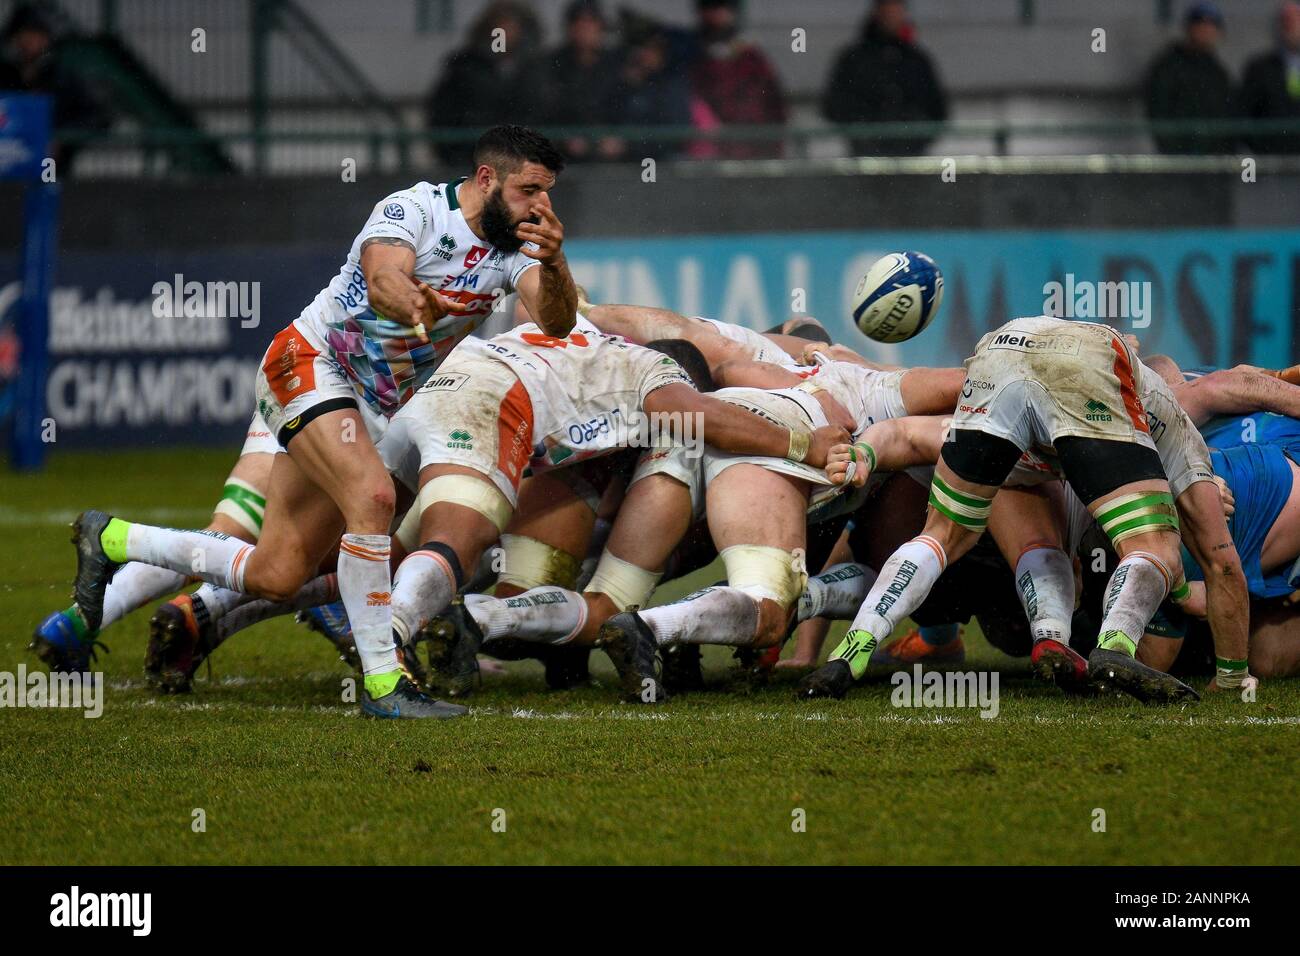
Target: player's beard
{"points": [[498, 227]]}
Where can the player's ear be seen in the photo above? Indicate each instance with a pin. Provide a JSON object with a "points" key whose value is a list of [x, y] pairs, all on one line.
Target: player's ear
{"points": [[485, 177]]}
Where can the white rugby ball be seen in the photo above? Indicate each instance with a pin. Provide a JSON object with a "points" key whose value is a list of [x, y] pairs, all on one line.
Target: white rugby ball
{"points": [[898, 297]]}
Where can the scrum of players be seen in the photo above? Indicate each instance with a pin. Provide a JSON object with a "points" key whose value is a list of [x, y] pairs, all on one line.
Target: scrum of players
{"points": [[1111, 518]]}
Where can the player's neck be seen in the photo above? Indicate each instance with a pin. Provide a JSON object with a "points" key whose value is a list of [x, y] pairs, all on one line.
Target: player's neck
{"points": [[471, 207]]}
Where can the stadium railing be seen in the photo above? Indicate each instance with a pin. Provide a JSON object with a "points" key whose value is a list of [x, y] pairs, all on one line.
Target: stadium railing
{"points": [[142, 152]]}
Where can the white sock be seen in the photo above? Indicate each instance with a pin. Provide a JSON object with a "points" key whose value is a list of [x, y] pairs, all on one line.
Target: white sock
{"points": [[836, 593], [1045, 582], [135, 585], [904, 583], [1138, 586], [365, 584], [546, 615], [422, 588], [320, 590], [220, 601], [208, 555], [716, 615]]}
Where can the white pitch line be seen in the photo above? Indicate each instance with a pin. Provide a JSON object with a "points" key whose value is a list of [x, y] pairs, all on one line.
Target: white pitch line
{"points": [[23, 518]]}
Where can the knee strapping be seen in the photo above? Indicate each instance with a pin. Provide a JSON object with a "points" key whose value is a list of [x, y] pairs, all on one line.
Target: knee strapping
{"points": [[528, 563], [969, 511], [477, 494], [765, 572], [242, 504], [625, 584], [1139, 513]]}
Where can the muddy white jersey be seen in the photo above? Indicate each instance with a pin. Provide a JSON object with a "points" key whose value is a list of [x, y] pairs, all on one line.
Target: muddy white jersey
{"points": [[385, 362], [586, 389], [757, 345], [869, 395]]}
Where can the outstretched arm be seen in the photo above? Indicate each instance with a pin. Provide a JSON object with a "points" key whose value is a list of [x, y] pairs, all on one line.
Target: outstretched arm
{"points": [[1237, 391], [1205, 532], [891, 445], [731, 428]]}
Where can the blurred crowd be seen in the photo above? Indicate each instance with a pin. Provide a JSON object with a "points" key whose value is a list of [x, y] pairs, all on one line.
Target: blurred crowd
{"points": [[1188, 81], [635, 70], [638, 76]]}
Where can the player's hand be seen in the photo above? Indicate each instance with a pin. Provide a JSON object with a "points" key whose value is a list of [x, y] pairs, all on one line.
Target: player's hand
{"points": [[547, 232], [1248, 683], [429, 307], [838, 469], [812, 350], [823, 440], [1225, 493], [1133, 343]]}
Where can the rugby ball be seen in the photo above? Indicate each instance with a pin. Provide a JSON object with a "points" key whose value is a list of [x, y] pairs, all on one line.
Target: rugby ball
{"points": [[898, 297]]}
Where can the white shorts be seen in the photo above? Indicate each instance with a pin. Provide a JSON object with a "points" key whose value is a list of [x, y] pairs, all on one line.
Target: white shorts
{"points": [[299, 380], [260, 440], [1183, 452], [474, 413], [679, 462], [792, 408], [1031, 388]]}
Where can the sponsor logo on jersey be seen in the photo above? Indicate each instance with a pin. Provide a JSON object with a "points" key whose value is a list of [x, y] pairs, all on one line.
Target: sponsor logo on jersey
{"points": [[461, 439], [474, 256], [1037, 344], [379, 598], [1097, 411], [444, 382], [443, 250], [394, 211], [973, 385]]}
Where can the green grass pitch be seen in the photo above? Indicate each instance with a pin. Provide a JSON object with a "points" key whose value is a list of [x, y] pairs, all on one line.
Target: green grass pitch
{"points": [[286, 773]]}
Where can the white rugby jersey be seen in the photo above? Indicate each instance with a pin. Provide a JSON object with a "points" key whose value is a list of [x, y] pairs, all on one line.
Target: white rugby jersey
{"points": [[867, 394], [384, 360], [586, 389], [759, 346]]}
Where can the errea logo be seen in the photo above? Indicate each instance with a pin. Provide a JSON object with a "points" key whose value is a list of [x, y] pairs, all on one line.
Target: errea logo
{"points": [[1097, 411], [461, 439], [77, 909]]}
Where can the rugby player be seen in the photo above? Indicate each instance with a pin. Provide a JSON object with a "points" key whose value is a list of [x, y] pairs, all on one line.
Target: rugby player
{"points": [[528, 399], [667, 494], [1061, 389], [427, 268]]}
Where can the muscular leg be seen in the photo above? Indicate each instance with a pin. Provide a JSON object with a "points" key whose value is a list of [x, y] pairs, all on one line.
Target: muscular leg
{"points": [[754, 607], [455, 535]]}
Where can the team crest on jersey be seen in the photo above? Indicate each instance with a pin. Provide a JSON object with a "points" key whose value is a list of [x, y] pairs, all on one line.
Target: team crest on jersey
{"points": [[474, 256], [394, 211]]}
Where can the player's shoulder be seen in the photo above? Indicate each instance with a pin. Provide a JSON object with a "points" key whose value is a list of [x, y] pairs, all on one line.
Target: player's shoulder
{"points": [[430, 199]]}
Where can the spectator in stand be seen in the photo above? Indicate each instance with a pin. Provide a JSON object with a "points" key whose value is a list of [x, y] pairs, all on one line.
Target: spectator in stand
{"points": [[733, 80], [885, 78], [32, 64], [1189, 82], [654, 87], [582, 83], [494, 78], [1270, 86]]}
